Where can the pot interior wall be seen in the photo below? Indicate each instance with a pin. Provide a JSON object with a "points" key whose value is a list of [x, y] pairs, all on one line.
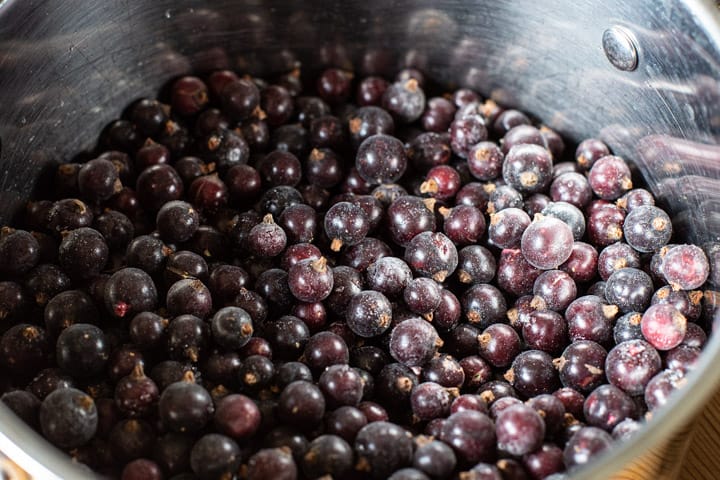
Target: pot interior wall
{"points": [[68, 67]]}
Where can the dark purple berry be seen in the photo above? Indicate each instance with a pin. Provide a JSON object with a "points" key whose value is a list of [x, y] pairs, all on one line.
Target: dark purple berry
{"points": [[630, 366], [345, 224], [189, 95], [533, 373], [663, 326], [528, 168], [185, 406], [647, 228], [685, 267], [609, 177], [68, 418], [586, 444], [519, 430], [83, 253], [547, 243], [465, 133], [382, 448], [129, 291], [388, 275], [471, 434], [381, 159], [369, 313], [483, 305], [432, 255], [607, 406], [405, 100], [414, 342], [463, 224]]}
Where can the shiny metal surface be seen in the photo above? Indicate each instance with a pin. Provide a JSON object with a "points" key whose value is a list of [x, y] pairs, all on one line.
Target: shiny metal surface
{"points": [[67, 67]]}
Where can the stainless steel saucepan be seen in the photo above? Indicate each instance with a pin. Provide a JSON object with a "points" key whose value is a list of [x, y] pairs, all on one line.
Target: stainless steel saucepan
{"points": [[642, 75]]}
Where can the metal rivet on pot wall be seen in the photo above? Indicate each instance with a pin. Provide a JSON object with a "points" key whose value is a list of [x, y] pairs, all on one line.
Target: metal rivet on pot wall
{"points": [[620, 48]]}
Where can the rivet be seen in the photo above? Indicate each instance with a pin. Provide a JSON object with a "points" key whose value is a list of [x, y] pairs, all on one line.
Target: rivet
{"points": [[620, 48]]}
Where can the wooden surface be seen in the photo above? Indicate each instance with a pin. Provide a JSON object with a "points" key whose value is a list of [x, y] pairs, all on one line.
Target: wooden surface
{"points": [[692, 454], [702, 460]]}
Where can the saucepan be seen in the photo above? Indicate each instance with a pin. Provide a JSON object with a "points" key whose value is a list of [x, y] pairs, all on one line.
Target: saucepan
{"points": [[643, 76]]}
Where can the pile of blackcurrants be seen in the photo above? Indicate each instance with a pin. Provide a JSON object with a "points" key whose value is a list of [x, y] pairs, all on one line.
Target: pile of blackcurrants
{"points": [[264, 281]]}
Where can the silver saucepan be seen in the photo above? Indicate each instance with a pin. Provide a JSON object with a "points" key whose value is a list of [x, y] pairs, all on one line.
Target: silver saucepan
{"points": [[644, 76]]}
